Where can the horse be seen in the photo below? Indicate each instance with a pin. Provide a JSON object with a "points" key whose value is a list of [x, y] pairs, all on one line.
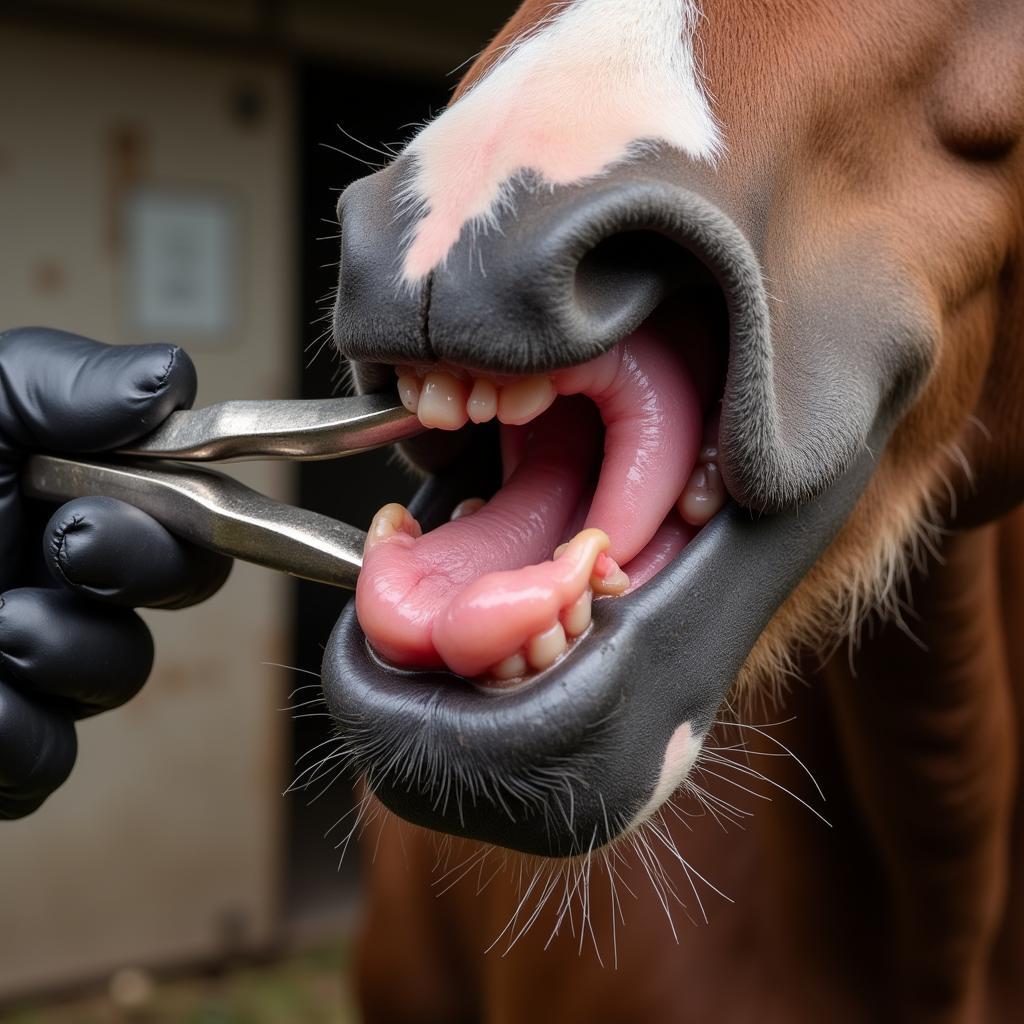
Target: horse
{"points": [[715, 312]]}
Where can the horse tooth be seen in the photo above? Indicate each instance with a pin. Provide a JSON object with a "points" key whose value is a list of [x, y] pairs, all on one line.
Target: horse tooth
{"points": [[543, 649], [525, 400], [409, 391], [608, 578], [467, 508], [511, 668], [483, 402], [589, 553], [443, 402], [577, 616], [390, 521], [703, 496], [589, 544]]}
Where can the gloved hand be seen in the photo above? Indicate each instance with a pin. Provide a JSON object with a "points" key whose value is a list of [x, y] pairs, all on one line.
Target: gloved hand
{"points": [[70, 645]]}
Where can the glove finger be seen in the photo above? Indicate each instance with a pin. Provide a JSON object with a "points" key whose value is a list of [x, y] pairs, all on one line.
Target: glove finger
{"points": [[38, 747], [111, 551], [58, 645], [64, 393]]}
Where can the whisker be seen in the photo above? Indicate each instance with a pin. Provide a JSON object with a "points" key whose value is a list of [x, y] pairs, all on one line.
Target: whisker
{"points": [[782, 746], [753, 773]]}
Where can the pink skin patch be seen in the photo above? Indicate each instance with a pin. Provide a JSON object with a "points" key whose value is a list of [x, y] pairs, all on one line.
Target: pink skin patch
{"points": [[473, 591], [567, 103], [681, 754]]}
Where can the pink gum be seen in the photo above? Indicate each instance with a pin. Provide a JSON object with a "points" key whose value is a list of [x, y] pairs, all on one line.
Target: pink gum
{"points": [[494, 616]]}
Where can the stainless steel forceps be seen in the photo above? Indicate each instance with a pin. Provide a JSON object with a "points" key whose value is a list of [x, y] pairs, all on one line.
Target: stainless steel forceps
{"points": [[216, 511]]}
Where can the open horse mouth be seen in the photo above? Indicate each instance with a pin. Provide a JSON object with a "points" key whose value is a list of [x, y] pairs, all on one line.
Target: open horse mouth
{"points": [[608, 469], [625, 485]]}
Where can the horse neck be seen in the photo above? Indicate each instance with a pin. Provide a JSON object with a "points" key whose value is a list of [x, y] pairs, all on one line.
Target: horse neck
{"points": [[926, 720]]}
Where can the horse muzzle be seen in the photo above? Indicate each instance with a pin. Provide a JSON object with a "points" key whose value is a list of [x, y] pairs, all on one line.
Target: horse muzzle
{"points": [[807, 391]]}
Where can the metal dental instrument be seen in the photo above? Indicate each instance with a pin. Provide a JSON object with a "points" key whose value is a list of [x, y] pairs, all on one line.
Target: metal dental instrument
{"points": [[302, 430], [216, 511]]}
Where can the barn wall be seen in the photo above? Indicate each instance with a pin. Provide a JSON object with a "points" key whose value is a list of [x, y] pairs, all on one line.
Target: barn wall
{"points": [[166, 844]]}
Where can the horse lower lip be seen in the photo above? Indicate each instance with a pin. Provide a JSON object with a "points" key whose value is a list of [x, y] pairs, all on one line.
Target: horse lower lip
{"points": [[500, 765]]}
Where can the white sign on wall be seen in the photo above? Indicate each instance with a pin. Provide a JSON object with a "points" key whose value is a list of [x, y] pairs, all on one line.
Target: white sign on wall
{"points": [[181, 251]]}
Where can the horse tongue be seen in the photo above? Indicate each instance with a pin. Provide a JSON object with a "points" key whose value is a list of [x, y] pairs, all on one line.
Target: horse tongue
{"points": [[408, 580]]}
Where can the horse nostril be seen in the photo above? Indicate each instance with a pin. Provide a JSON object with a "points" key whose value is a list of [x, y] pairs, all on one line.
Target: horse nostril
{"points": [[622, 278]]}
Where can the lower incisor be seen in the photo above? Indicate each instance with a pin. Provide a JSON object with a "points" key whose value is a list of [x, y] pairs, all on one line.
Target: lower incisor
{"points": [[511, 668], [577, 616], [543, 649]]}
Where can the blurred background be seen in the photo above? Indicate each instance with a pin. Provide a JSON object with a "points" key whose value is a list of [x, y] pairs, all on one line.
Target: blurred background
{"points": [[169, 171]]}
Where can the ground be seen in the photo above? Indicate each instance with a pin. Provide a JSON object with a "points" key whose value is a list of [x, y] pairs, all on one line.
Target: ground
{"points": [[307, 988]]}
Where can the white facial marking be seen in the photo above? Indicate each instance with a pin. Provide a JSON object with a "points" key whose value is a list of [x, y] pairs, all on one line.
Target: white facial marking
{"points": [[567, 103], [680, 756]]}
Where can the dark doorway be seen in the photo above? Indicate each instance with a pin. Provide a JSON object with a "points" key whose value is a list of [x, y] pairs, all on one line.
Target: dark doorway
{"points": [[349, 111]]}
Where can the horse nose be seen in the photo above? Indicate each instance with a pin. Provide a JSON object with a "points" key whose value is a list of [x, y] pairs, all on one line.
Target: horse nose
{"points": [[555, 277]]}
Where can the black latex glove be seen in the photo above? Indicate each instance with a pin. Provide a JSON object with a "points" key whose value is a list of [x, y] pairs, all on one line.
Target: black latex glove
{"points": [[70, 645]]}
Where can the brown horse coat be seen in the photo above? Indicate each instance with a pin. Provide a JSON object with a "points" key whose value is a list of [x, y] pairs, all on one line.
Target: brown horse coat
{"points": [[895, 125]]}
